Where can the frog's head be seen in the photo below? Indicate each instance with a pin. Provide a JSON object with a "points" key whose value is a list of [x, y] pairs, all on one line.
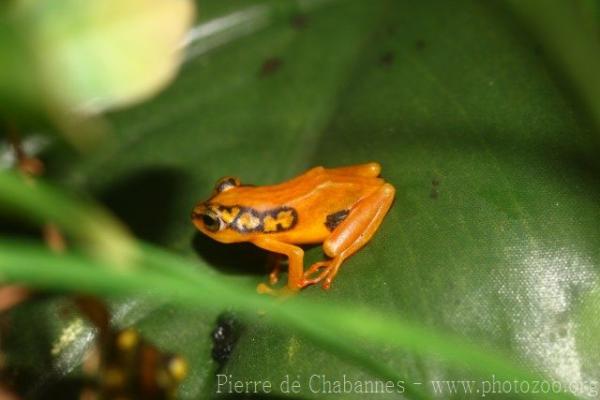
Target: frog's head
{"points": [[213, 219]]}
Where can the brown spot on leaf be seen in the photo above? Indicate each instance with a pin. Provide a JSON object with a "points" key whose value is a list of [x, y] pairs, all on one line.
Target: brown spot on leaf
{"points": [[299, 21], [435, 184], [387, 58], [270, 66]]}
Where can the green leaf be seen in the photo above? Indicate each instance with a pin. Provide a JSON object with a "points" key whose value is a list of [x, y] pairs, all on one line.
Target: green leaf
{"points": [[570, 33], [494, 232], [156, 276], [175, 281]]}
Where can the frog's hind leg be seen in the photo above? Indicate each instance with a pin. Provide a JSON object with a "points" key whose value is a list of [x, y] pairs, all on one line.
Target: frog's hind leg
{"points": [[351, 234], [368, 170]]}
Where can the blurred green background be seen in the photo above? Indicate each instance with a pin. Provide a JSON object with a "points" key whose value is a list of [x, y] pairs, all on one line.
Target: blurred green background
{"points": [[485, 116]]}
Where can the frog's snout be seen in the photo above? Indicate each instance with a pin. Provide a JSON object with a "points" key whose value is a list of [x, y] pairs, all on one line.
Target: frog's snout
{"points": [[207, 220]]}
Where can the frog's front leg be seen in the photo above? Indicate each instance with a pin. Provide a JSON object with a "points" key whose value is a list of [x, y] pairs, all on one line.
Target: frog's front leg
{"points": [[295, 260], [351, 234]]}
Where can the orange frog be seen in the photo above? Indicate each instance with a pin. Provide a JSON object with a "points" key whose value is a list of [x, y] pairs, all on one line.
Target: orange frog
{"points": [[339, 207]]}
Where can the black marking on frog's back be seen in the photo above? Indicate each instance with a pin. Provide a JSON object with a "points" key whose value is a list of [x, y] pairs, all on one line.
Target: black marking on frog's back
{"points": [[248, 220], [279, 219], [333, 220]]}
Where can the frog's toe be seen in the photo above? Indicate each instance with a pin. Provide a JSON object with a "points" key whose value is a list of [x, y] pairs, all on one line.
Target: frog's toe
{"points": [[309, 275], [274, 277], [262, 288], [274, 264], [331, 272], [280, 293], [327, 283], [316, 267]]}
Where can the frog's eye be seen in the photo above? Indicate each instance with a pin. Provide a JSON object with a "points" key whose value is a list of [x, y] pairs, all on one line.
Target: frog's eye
{"points": [[226, 183], [212, 222]]}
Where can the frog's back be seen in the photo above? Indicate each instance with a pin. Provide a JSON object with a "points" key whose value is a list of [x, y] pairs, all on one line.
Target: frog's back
{"points": [[315, 187], [304, 209]]}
